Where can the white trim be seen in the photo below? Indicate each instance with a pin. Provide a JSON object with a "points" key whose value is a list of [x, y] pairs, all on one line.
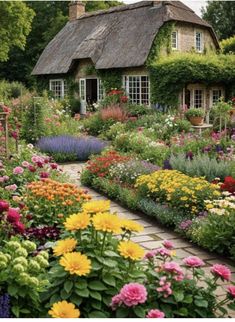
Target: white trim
{"points": [[125, 82], [62, 86], [177, 40], [201, 39]]}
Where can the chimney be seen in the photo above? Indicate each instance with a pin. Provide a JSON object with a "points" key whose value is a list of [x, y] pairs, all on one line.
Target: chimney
{"points": [[76, 10]]}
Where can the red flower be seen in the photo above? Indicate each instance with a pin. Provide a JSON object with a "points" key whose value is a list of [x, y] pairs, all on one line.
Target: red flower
{"points": [[228, 185], [124, 99], [4, 206], [13, 216], [44, 175], [32, 168], [19, 227]]}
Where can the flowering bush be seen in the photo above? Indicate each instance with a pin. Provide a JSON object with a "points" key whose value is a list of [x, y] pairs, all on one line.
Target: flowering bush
{"points": [[114, 112], [49, 201], [177, 189], [22, 278], [67, 148], [228, 185]]}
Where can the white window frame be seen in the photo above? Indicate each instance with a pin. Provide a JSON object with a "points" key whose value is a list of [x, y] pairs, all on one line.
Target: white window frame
{"points": [[201, 41], [82, 89], [63, 85], [126, 82], [211, 94], [203, 97], [100, 90], [176, 40]]}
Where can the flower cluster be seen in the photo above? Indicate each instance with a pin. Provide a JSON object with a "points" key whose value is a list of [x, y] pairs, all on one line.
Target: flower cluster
{"points": [[222, 206], [228, 185]]}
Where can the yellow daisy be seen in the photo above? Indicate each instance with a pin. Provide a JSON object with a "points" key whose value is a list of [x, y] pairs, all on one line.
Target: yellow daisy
{"points": [[131, 225], [96, 206], [64, 246], [107, 222], [76, 263], [64, 309], [77, 221], [129, 249]]}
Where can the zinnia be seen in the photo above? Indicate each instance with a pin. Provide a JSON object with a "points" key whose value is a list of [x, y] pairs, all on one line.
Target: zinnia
{"points": [[130, 250], [96, 206], [130, 225], [76, 263], [133, 294], [173, 267], [169, 245], [155, 314], [64, 309], [64, 246], [231, 290], [77, 221], [106, 222], [221, 271], [193, 261], [18, 170]]}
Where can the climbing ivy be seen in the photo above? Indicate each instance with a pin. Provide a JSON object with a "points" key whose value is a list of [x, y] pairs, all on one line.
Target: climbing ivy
{"points": [[111, 78]]}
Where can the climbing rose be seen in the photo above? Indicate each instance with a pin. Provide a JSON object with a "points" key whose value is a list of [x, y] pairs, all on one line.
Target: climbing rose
{"points": [[193, 261], [221, 271], [18, 170], [155, 314], [133, 294], [231, 290], [168, 244]]}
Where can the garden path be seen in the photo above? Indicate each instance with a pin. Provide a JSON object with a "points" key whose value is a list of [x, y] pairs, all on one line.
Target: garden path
{"points": [[153, 234]]}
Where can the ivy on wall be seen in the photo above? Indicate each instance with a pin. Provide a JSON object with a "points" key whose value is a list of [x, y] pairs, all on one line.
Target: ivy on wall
{"points": [[111, 78]]}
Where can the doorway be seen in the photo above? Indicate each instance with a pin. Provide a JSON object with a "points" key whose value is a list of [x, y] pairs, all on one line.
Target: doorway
{"points": [[91, 91]]}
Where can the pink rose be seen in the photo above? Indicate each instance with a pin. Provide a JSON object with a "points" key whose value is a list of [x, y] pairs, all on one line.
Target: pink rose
{"points": [[11, 187], [221, 271], [231, 290], [168, 244], [13, 216], [173, 267], [193, 261], [4, 206], [155, 314], [116, 301], [25, 164], [18, 170], [133, 294]]}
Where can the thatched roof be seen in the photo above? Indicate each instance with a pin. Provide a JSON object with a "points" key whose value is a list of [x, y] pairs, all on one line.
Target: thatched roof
{"points": [[115, 38]]}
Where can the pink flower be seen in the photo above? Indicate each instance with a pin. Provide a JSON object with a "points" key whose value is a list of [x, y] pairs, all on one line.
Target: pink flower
{"points": [[4, 206], [168, 244], [165, 287], [11, 187], [231, 290], [133, 294], [44, 175], [116, 301], [163, 252], [13, 216], [19, 227], [193, 261], [25, 164], [155, 314], [173, 267], [150, 254], [18, 170], [221, 271], [31, 168], [54, 165]]}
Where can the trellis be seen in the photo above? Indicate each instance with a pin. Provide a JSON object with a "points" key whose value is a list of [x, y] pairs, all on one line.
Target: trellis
{"points": [[4, 135]]}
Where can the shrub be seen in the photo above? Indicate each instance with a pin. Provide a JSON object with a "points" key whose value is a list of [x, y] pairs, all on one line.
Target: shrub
{"points": [[67, 148], [11, 90], [114, 130], [177, 189], [114, 112], [94, 124], [200, 166], [194, 112], [228, 185], [228, 45], [137, 110]]}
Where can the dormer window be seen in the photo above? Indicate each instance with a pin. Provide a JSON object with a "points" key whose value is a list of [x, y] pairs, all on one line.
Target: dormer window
{"points": [[198, 41], [174, 40]]}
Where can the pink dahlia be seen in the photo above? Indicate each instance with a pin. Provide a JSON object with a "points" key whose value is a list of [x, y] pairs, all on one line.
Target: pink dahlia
{"points": [[133, 294], [221, 271], [155, 314], [193, 261], [231, 290], [173, 267], [18, 170], [13, 216], [168, 244], [4, 206]]}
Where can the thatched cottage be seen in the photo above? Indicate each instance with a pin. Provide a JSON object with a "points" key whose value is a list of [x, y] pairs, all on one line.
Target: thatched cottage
{"points": [[121, 38]]}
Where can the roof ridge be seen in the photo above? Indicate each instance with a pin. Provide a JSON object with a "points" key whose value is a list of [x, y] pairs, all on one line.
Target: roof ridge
{"points": [[184, 7]]}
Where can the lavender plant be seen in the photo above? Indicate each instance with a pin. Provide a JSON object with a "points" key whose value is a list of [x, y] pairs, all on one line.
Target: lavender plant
{"points": [[5, 306], [69, 148]]}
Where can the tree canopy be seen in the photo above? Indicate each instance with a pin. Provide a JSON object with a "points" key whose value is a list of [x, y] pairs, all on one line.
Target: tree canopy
{"points": [[221, 15], [15, 25], [50, 17]]}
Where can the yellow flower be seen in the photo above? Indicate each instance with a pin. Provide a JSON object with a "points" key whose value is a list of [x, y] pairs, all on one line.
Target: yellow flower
{"points": [[131, 225], [96, 206], [76, 263], [209, 206], [107, 222], [77, 221], [64, 309], [131, 250], [64, 246], [184, 198]]}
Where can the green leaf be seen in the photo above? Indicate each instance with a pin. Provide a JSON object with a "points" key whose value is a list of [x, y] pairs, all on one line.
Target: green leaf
{"points": [[201, 303], [110, 263], [122, 312], [95, 295], [12, 290], [75, 299], [25, 311], [139, 311], [178, 295], [96, 305], [16, 311], [231, 306], [97, 286], [81, 284], [110, 253], [109, 279], [182, 311], [188, 299], [97, 314], [83, 293], [68, 285], [55, 298], [64, 295], [96, 266]]}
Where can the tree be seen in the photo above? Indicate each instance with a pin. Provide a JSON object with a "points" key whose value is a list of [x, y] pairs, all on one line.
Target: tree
{"points": [[221, 15], [15, 25], [50, 18]]}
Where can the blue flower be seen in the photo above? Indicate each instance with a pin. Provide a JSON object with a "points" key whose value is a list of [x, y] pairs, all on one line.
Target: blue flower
{"points": [[5, 306]]}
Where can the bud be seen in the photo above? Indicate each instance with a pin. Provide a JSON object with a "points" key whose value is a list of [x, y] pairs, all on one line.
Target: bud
{"points": [[44, 254], [41, 261], [3, 258], [23, 278], [3, 265], [20, 260], [13, 245], [34, 266], [18, 269], [33, 282], [29, 246], [21, 252]]}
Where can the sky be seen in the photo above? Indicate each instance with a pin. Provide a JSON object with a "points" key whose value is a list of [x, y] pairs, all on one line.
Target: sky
{"points": [[193, 4]]}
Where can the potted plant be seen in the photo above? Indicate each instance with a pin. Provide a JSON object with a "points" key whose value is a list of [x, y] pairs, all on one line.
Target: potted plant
{"points": [[195, 116]]}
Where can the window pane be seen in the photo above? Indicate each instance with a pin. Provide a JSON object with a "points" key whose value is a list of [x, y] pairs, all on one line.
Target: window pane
{"points": [[174, 40], [198, 98], [101, 90], [216, 94], [56, 88], [198, 41], [137, 88]]}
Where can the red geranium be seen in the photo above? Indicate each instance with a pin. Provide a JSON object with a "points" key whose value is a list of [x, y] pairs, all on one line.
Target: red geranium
{"points": [[229, 185]]}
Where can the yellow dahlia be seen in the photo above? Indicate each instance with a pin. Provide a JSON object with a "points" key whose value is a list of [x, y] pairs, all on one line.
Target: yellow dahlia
{"points": [[107, 222], [96, 206], [64, 246], [77, 221], [131, 225], [64, 309], [129, 249], [76, 263]]}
